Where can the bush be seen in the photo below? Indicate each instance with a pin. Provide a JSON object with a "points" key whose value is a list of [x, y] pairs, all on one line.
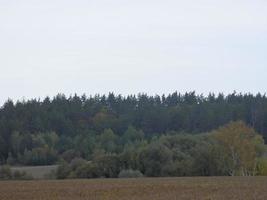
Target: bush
{"points": [[129, 173], [77, 162], [92, 170], [154, 158], [5, 172], [262, 167], [88, 170], [63, 171], [108, 165], [18, 175]]}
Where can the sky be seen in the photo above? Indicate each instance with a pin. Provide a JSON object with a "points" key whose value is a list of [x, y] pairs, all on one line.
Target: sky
{"points": [[129, 47]]}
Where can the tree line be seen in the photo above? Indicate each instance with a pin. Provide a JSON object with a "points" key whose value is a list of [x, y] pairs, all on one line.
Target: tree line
{"points": [[232, 150], [123, 134]]}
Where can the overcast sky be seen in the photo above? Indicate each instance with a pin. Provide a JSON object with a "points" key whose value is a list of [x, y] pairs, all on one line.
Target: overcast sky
{"points": [[96, 46]]}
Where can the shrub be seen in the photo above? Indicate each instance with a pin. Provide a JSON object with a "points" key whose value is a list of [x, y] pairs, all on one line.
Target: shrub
{"points": [[63, 171], [77, 162], [18, 175], [5, 172], [262, 167], [108, 165]]}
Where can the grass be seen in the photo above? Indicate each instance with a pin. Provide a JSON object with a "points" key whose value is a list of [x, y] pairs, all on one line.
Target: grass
{"points": [[37, 172], [241, 188]]}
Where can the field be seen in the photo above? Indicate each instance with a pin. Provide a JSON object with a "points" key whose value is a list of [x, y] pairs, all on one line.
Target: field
{"points": [[37, 172], [241, 188]]}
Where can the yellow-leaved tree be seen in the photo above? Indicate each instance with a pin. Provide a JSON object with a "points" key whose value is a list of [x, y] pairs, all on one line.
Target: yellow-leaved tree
{"points": [[241, 148]]}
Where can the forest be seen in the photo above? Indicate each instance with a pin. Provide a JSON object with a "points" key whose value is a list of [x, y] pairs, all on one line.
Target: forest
{"points": [[137, 135]]}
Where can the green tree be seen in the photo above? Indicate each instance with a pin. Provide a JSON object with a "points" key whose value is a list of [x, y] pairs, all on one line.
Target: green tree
{"points": [[108, 141], [132, 135], [154, 158]]}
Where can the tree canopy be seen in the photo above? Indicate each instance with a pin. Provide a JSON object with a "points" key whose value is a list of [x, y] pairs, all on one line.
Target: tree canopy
{"points": [[173, 135]]}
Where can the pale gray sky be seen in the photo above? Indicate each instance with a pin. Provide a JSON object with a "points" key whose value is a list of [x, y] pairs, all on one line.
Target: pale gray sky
{"points": [[96, 46]]}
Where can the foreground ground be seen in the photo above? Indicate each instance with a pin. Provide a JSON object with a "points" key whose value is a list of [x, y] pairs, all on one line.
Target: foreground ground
{"points": [[240, 188]]}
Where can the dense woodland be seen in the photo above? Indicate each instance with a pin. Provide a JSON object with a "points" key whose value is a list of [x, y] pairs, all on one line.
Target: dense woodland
{"points": [[111, 136]]}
